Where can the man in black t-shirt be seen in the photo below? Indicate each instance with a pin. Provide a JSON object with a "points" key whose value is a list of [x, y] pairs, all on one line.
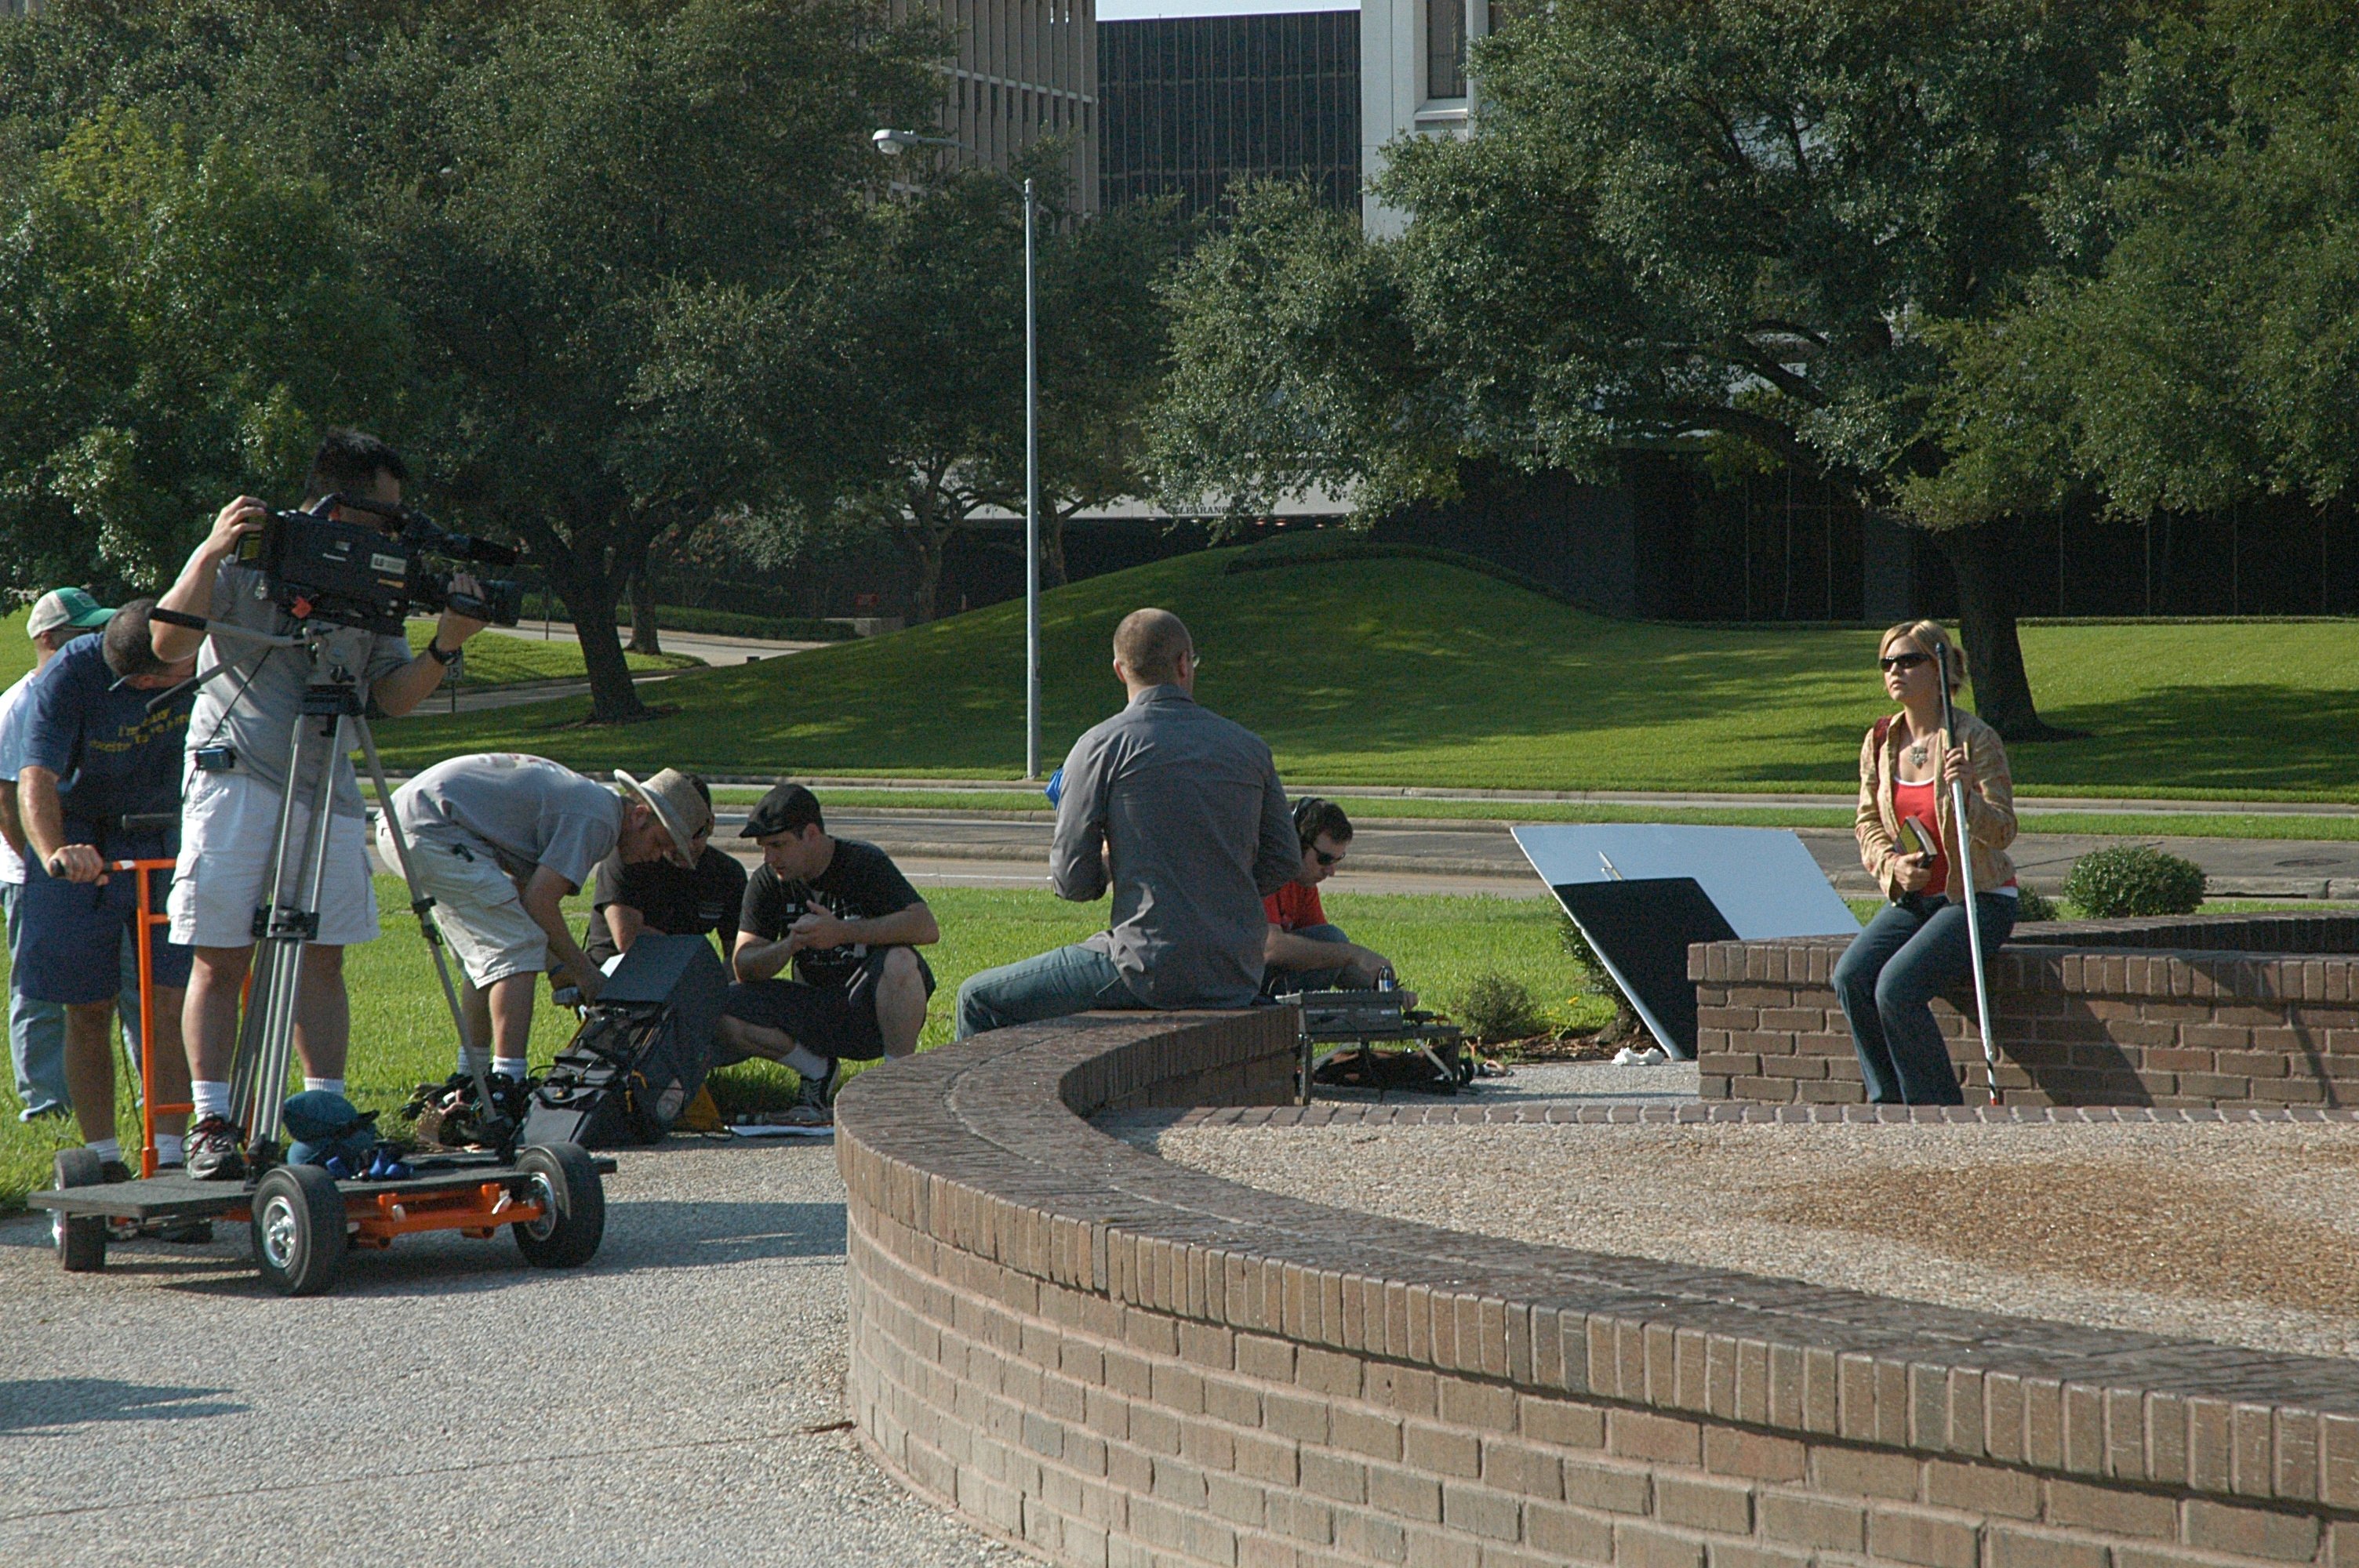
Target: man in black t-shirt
{"points": [[843, 915]]}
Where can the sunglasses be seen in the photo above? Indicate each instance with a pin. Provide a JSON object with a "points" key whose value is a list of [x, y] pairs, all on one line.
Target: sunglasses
{"points": [[1903, 662], [1325, 859]]}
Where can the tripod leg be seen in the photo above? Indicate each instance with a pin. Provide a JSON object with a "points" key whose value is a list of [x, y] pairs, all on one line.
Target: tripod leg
{"points": [[477, 1055], [293, 919]]}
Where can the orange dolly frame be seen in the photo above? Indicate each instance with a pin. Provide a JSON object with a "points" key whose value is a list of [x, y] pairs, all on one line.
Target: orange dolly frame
{"points": [[303, 1220]]}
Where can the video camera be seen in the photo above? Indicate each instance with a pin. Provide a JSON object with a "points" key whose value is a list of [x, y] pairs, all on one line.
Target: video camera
{"points": [[350, 574]]}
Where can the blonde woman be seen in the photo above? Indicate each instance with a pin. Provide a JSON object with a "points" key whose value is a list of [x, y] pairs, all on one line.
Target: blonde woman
{"points": [[1917, 946]]}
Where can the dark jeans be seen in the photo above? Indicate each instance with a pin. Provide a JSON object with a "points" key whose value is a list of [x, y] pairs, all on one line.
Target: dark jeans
{"points": [[1910, 954], [1285, 982]]}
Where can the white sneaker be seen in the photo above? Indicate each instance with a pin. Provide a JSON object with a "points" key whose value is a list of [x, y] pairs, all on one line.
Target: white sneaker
{"points": [[1653, 1056], [1628, 1056]]}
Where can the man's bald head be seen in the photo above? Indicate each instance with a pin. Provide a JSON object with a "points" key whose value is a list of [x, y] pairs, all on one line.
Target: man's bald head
{"points": [[1150, 644]]}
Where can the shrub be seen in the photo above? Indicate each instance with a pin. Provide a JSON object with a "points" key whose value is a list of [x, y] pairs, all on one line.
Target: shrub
{"points": [[2031, 906], [1499, 1007], [2133, 879], [1576, 948]]}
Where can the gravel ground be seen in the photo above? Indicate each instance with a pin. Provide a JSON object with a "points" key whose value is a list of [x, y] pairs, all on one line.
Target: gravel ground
{"points": [[449, 1405], [2245, 1235]]}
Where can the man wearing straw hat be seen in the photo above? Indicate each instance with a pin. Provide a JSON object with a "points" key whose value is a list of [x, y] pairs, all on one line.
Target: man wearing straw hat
{"points": [[499, 840]]}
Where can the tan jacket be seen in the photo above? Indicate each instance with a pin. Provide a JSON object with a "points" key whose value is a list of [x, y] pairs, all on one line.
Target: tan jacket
{"points": [[1990, 805]]}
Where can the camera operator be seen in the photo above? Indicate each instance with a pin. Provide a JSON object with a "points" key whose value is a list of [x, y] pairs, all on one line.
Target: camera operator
{"points": [[240, 737]]}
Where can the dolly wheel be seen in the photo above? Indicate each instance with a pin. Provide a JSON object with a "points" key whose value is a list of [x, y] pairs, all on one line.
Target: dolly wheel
{"points": [[562, 1179], [299, 1230], [81, 1237]]}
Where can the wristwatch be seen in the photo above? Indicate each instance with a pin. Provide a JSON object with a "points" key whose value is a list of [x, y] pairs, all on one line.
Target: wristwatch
{"points": [[446, 660]]}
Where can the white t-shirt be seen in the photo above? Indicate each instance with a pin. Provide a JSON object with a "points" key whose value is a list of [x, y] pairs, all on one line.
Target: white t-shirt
{"points": [[12, 865]]}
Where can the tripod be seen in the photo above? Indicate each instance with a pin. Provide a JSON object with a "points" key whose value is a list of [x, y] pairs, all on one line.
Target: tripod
{"points": [[289, 919]]}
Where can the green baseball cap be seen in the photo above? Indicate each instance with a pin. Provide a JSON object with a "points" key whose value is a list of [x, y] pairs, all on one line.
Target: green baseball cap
{"points": [[65, 607]]}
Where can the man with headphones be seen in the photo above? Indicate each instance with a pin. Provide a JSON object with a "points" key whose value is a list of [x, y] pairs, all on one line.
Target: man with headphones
{"points": [[1302, 952]]}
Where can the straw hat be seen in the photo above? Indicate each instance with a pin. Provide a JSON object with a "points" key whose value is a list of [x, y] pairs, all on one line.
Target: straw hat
{"points": [[673, 798]]}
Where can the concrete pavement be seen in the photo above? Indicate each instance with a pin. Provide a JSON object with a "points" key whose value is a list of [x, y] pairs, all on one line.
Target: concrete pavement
{"points": [[1394, 856], [666, 1405]]}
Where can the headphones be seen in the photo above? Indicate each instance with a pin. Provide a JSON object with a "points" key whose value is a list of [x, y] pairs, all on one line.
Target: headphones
{"points": [[1305, 810]]}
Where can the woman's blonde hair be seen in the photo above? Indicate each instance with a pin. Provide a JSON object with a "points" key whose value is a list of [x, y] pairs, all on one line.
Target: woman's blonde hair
{"points": [[1929, 637]]}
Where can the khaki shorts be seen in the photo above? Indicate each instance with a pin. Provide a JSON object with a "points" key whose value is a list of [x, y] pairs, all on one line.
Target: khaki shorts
{"points": [[476, 905], [229, 824]]}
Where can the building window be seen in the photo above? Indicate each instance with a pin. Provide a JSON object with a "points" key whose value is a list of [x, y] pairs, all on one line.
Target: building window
{"points": [[1445, 48]]}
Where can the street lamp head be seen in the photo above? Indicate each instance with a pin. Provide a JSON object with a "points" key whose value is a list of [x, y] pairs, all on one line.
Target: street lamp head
{"points": [[892, 143]]}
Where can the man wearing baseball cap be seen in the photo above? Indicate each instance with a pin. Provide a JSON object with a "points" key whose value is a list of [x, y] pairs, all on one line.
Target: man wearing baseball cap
{"points": [[498, 841], [36, 1030], [844, 917]]}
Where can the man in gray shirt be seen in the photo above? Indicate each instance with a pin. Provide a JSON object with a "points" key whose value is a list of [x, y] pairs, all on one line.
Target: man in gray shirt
{"points": [[241, 737], [1181, 812], [498, 841]]}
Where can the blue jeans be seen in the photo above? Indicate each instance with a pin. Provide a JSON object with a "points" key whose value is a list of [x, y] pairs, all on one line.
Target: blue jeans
{"points": [[1285, 982], [1057, 984], [1910, 954], [36, 1030]]}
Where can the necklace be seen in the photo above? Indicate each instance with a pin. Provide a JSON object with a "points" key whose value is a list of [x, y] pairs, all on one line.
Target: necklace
{"points": [[1916, 754]]}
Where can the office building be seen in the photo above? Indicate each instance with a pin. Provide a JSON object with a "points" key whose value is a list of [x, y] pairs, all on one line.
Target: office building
{"points": [[1195, 103], [1413, 78], [1022, 70]]}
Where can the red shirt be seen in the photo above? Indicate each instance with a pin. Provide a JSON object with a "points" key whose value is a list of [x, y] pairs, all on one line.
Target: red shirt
{"points": [[1921, 801], [1294, 906]]}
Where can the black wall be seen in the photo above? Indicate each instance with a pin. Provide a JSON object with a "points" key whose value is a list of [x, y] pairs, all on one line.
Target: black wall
{"points": [[1189, 104]]}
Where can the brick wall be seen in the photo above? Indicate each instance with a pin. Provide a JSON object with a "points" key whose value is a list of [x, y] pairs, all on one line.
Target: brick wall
{"points": [[1119, 1362], [2208, 1012]]}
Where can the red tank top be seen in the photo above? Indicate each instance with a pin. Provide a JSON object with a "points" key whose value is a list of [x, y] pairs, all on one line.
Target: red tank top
{"points": [[1922, 800]]}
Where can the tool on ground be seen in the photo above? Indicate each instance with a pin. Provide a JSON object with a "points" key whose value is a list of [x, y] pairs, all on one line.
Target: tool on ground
{"points": [[1966, 874]]}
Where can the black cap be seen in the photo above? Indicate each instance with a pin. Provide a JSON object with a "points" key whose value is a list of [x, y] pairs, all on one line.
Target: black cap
{"points": [[788, 808]]}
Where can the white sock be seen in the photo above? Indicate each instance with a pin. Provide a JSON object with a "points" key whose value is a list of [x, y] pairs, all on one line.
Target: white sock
{"points": [[105, 1148], [809, 1063], [210, 1099], [167, 1148], [512, 1066], [332, 1086]]}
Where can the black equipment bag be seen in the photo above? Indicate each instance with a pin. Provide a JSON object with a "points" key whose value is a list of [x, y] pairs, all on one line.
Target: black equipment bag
{"points": [[644, 1049]]}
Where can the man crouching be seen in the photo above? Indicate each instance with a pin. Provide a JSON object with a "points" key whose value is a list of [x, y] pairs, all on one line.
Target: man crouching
{"points": [[841, 912]]}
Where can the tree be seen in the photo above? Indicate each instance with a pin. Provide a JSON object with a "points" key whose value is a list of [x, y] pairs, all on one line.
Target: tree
{"points": [[563, 194], [2211, 355], [176, 327], [1674, 218]]}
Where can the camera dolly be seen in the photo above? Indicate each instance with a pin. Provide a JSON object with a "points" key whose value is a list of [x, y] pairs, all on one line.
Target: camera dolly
{"points": [[303, 1220]]}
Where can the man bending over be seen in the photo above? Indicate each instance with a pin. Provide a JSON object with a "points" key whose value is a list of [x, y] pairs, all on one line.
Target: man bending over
{"points": [[1181, 812], [841, 912], [1303, 952], [499, 841]]}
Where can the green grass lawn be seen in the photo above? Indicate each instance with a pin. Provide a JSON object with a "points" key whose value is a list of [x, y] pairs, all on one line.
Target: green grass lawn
{"points": [[503, 658], [402, 1034], [1413, 672]]}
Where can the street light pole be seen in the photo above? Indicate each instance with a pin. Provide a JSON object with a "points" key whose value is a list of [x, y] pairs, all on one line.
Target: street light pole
{"points": [[1031, 509], [893, 143]]}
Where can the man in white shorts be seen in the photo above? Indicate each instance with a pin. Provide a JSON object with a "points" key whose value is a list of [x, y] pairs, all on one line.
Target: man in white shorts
{"points": [[499, 841], [240, 740]]}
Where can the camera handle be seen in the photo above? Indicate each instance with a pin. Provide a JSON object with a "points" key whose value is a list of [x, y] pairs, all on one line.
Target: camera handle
{"points": [[288, 924]]}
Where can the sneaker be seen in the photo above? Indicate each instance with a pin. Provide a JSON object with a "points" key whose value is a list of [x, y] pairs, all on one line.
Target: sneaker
{"points": [[211, 1152], [815, 1104], [186, 1232], [114, 1170]]}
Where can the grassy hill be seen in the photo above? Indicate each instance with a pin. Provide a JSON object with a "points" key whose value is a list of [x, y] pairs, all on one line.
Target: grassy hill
{"points": [[1401, 670]]}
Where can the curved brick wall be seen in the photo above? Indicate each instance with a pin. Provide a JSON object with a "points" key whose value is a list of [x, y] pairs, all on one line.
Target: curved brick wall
{"points": [[2215, 1011], [1120, 1361]]}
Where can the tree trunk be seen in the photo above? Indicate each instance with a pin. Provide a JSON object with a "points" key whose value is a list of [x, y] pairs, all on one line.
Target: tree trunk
{"points": [[586, 582], [643, 635], [1052, 549], [1986, 617], [929, 574]]}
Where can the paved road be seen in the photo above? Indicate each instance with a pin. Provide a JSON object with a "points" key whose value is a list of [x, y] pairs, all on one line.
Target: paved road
{"points": [[449, 1405], [1481, 857], [712, 649]]}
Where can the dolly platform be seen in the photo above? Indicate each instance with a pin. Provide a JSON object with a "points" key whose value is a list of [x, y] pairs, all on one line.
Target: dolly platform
{"points": [[304, 1221]]}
